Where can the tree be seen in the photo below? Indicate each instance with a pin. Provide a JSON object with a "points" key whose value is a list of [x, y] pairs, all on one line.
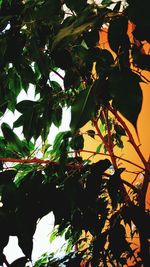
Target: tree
{"points": [[41, 37]]}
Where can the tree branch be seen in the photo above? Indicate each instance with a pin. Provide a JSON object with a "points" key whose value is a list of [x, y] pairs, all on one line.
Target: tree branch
{"points": [[40, 161], [131, 139]]}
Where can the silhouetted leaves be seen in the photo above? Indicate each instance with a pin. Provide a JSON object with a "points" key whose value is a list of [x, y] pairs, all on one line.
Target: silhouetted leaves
{"points": [[117, 36], [114, 188], [62, 58], [119, 245], [94, 179], [91, 133], [37, 40], [126, 99]]}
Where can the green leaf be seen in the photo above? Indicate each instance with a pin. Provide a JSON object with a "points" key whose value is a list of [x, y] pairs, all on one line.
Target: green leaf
{"points": [[126, 93], [82, 109], [53, 235], [57, 117], [13, 140], [1, 2], [98, 149], [15, 86], [56, 87], [25, 105], [58, 141], [19, 122], [14, 81]]}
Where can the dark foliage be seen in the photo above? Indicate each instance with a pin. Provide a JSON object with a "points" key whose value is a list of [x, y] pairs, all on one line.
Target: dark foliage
{"points": [[37, 39]]}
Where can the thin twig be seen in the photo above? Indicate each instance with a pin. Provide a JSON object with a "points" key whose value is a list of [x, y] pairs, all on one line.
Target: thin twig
{"points": [[108, 155]]}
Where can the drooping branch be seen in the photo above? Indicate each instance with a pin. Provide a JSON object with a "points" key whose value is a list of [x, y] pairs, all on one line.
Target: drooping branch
{"points": [[108, 155]]}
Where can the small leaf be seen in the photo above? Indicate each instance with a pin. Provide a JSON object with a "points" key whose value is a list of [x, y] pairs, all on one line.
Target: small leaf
{"points": [[119, 130], [91, 133], [53, 235], [98, 149], [57, 117]]}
